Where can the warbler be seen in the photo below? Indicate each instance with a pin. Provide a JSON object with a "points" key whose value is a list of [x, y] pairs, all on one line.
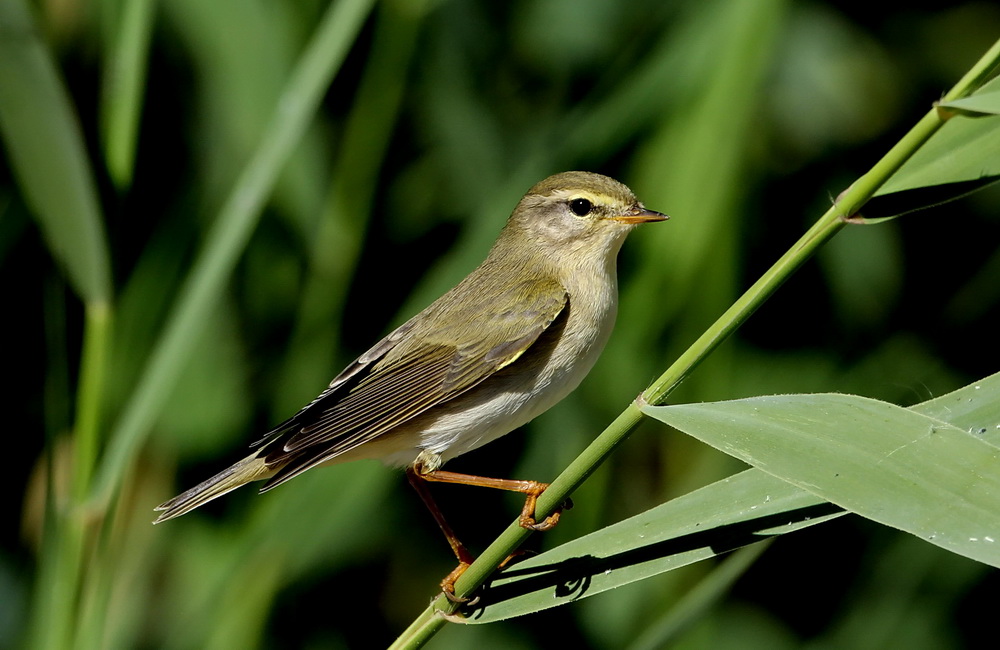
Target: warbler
{"points": [[514, 337]]}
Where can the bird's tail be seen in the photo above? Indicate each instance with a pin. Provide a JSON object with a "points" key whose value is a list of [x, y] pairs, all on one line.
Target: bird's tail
{"points": [[247, 470]]}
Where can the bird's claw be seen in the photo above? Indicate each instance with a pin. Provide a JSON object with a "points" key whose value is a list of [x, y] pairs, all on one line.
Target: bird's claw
{"points": [[527, 519], [448, 585]]}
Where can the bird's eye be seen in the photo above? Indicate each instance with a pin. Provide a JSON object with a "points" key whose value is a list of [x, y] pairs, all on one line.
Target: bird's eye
{"points": [[580, 207]]}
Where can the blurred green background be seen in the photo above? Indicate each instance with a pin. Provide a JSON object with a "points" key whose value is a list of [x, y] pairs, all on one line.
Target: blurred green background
{"points": [[741, 119]]}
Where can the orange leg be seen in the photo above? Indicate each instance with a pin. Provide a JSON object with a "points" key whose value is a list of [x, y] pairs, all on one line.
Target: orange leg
{"points": [[464, 557], [532, 489]]}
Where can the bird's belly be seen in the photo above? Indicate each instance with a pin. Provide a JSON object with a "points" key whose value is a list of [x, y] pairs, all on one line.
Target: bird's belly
{"points": [[507, 400], [453, 434], [470, 421]]}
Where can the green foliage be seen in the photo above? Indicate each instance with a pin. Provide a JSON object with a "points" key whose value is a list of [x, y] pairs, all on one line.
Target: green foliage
{"points": [[921, 470], [36, 119], [233, 199], [890, 464]]}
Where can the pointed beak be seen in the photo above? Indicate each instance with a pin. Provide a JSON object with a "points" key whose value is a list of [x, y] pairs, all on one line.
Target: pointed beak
{"points": [[641, 215]]}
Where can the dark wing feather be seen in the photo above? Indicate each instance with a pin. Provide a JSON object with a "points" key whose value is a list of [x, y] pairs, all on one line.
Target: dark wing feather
{"points": [[340, 384], [411, 371]]}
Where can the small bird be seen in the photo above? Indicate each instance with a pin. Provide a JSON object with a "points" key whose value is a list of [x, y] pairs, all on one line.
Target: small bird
{"points": [[514, 337]]}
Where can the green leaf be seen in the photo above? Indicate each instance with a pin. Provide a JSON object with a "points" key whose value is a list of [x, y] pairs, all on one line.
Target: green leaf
{"points": [[47, 154], [743, 508], [985, 101], [984, 104], [889, 206], [974, 408], [961, 158], [740, 510], [963, 150], [893, 465], [123, 87]]}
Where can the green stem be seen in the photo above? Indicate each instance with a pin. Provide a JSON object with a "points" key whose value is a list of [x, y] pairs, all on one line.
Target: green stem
{"points": [[421, 629], [66, 524], [93, 365], [58, 584], [431, 620], [104, 567]]}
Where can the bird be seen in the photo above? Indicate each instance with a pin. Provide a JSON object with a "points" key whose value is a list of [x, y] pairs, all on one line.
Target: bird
{"points": [[512, 339]]}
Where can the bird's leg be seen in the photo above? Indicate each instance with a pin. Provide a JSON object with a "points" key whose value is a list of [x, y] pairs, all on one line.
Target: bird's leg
{"points": [[532, 490], [421, 471], [464, 557]]}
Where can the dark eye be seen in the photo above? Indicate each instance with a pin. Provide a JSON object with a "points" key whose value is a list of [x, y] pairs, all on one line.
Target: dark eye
{"points": [[580, 207]]}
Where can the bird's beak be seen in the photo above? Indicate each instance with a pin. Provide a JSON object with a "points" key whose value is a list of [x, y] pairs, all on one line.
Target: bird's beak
{"points": [[641, 215]]}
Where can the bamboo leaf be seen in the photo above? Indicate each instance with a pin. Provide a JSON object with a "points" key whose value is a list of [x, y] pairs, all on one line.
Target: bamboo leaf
{"points": [[958, 152], [985, 101], [742, 509], [893, 465], [734, 512], [963, 150], [961, 158], [981, 104], [974, 408]]}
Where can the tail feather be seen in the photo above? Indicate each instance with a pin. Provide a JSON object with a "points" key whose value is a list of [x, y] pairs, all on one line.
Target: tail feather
{"points": [[247, 470]]}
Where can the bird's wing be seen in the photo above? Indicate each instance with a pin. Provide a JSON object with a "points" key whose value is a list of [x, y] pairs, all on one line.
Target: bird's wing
{"points": [[338, 386], [415, 368]]}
